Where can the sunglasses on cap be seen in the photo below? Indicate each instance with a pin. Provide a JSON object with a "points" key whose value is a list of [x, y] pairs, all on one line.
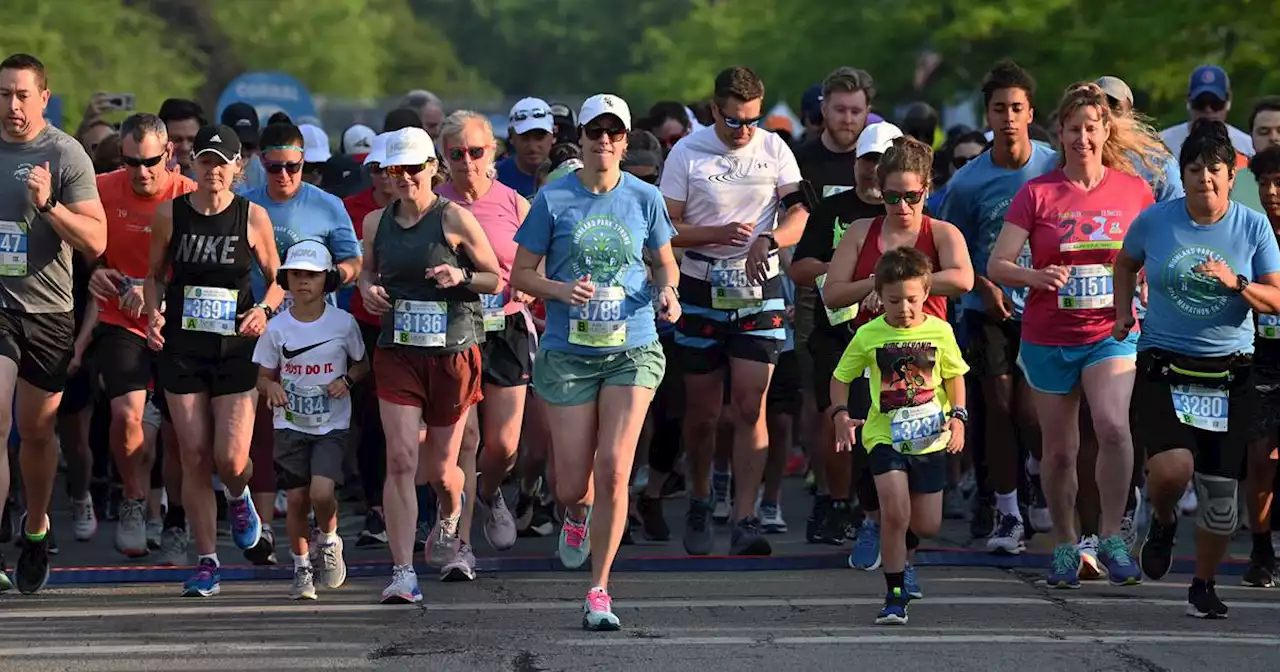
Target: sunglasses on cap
{"points": [[736, 123], [277, 167], [594, 132], [476, 153], [523, 115], [134, 162], [896, 197], [397, 171]]}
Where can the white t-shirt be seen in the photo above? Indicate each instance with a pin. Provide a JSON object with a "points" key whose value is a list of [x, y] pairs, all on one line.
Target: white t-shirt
{"points": [[309, 356], [1174, 136], [719, 185]]}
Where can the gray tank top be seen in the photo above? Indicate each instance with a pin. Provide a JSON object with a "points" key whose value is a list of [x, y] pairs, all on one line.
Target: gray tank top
{"points": [[424, 317]]}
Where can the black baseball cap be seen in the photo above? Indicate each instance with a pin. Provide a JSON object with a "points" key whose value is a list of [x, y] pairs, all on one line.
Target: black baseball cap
{"points": [[221, 140], [244, 119]]}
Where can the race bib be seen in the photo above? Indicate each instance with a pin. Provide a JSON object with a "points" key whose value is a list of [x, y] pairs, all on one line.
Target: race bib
{"points": [[599, 323], [13, 249], [422, 324], [494, 318], [730, 288], [1088, 287], [1268, 326], [308, 405], [209, 309], [839, 315], [1201, 407], [917, 429]]}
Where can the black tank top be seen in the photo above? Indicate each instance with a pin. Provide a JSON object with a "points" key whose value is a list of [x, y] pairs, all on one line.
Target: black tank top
{"points": [[403, 257], [209, 288]]}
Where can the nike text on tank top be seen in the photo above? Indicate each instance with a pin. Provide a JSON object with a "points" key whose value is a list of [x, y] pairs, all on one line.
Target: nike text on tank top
{"points": [[871, 252]]}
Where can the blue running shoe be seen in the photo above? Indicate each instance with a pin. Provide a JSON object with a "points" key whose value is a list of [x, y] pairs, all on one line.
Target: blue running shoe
{"points": [[205, 582], [894, 611], [1121, 569], [246, 526], [912, 584], [866, 550], [1065, 570]]}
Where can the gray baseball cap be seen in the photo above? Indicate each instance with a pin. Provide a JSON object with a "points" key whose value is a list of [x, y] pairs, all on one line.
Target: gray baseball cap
{"points": [[1116, 88]]}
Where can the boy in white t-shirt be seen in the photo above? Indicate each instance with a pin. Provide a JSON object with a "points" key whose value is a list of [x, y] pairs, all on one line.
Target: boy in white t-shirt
{"points": [[309, 357]]}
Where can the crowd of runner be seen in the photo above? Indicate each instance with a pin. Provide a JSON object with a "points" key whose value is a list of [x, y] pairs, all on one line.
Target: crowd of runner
{"points": [[252, 320]]}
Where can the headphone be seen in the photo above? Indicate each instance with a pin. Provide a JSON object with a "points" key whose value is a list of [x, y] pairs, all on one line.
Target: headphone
{"points": [[332, 279]]}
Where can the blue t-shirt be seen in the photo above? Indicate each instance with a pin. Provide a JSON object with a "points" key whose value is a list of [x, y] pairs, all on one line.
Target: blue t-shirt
{"points": [[510, 174], [1189, 313], [255, 176], [602, 235], [312, 214], [1165, 187], [977, 197]]}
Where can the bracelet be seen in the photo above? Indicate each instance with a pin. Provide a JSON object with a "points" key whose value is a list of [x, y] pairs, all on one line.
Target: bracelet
{"points": [[839, 409]]}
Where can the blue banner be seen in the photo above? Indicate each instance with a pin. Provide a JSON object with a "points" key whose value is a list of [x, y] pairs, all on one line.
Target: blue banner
{"points": [[271, 92]]}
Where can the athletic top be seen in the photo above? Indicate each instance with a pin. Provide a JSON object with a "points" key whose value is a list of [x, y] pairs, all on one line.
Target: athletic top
{"points": [[872, 251], [309, 356], [208, 289], [424, 317], [498, 212]]}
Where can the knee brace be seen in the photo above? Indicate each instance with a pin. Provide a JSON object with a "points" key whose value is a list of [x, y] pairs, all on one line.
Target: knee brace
{"points": [[1219, 507]]}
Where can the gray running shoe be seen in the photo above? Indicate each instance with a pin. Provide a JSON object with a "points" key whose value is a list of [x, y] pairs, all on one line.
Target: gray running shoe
{"points": [[304, 587], [331, 569]]}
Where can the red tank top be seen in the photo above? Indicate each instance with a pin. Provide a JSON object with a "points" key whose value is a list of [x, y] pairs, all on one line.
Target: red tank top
{"points": [[871, 252]]}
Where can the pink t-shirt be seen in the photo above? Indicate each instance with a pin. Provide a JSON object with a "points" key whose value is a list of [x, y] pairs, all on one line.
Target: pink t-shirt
{"points": [[498, 212], [1084, 231]]}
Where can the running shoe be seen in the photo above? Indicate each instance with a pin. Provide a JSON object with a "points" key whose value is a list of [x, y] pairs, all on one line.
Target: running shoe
{"points": [[330, 566], [771, 520], [575, 541], [1064, 571], [420, 537], [1156, 554], [837, 527], [983, 524], [652, 523], [263, 552], [5, 582], [403, 588], [747, 539], [1260, 573], [597, 613], [442, 543], [1188, 502], [375, 530], [1113, 553], [173, 547], [866, 548], [155, 528], [131, 531], [894, 611], [1129, 528], [722, 501], [499, 524], [1090, 568], [1008, 536], [699, 536], [816, 524], [1203, 602], [84, 519], [1038, 510], [7, 533], [674, 486], [281, 504], [246, 526], [32, 571], [463, 567], [534, 515], [304, 585], [205, 582], [911, 583]]}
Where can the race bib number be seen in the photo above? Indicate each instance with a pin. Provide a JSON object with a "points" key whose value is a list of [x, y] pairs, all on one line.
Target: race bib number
{"points": [[1088, 287], [494, 318], [839, 315], [1201, 407], [308, 405], [13, 249], [1268, 326], [599, 323], [209, 309], [421, 324], [917, 429], [730, 288]]}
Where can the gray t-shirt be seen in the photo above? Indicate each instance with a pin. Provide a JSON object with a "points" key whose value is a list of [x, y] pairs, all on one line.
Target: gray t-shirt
{"points": [[35, 264]]}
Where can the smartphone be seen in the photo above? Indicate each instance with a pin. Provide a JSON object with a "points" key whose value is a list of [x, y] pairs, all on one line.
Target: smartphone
{"points": [[120, 101]]}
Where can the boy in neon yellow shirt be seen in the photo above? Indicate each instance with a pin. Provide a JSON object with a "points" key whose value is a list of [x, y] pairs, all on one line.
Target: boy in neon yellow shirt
{"points": [[916, 418]]}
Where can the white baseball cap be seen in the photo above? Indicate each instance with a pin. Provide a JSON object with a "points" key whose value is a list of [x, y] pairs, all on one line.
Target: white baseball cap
{"points": [[410, 146], [308, 255], [377, 149], [315, 143], [531, 114], [605, 103], [877, 138], [358, 139]]}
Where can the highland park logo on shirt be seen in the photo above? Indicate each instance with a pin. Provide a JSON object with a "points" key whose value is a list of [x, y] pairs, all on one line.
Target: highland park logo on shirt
{"points": [[1195, 294], [602, 247]]}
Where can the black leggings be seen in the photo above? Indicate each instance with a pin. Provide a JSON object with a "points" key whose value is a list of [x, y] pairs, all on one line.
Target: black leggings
{"points": [[372, 452]]}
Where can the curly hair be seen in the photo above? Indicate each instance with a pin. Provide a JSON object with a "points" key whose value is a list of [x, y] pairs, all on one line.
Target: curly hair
{"points": [[906, 155], [1130, 135]]}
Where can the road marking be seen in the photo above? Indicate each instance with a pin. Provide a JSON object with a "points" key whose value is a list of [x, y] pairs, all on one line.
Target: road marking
{"points": [[212, 648], [914, 639]]}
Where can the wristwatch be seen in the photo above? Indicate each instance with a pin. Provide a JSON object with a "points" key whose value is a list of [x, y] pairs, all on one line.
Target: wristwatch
{"points": [[346, 380], [839, 409], [48, 205], [467, 276], [773, 242], [266, 310], [960, 413], [1241, 283]]}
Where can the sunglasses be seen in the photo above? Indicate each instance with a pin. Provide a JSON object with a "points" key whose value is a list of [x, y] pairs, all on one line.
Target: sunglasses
{"points": [[1208, 102], [476, 153], [277, 167], [134, 162], [397, 171], [523, 115], [896, 197], [594, 133], [735, 123]]}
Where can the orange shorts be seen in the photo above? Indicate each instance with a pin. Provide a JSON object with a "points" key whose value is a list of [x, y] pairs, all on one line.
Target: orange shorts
{"points": [[443, 386]]}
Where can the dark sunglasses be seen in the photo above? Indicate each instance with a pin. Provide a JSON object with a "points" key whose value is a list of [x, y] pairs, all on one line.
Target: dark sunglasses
{"points": [[134, 162], [277, 167], [594, 133], [959, 161], [896, 197], [1208, 102], [734, 122], [397, 171], [530, 114], [476, 153]]}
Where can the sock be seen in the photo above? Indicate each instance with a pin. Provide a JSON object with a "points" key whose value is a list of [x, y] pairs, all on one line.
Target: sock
{"points": [[327, 538], [599, 588], [175, 516], [39, 536], [1033, 466], [1262, 545], [894, 580], [244, 494], [1008, 504], [303, 560], [208, 556]]}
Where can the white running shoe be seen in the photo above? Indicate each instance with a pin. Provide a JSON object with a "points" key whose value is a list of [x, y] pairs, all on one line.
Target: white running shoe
{"points": [[403, 588], [1008, 537], [86, 521], [1188, 504], [131, 530]]}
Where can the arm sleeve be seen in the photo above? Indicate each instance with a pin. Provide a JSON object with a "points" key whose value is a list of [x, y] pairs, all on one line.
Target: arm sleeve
{"points": [[854, 360], [267, 352], [661, 231], [675, 175], [534, 233], [1022, 211], [815, 242], [76, 180], [342, 242]]}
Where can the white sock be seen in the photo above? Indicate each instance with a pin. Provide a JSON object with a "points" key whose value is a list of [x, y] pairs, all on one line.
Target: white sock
{"points": [[209, 556], [1033, 466], [303, 560], [1008, 504], [244, 494], [328, 538]]}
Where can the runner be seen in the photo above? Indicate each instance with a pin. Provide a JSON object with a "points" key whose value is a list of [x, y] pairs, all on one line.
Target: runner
{"points": [[203, 246], [51, 208], [734, 196], [600, 360], [1075, 219], [428, 261], [918, 410], [530, 137], [183, 119], [126, 365], [1210, 262], [507, 353]]}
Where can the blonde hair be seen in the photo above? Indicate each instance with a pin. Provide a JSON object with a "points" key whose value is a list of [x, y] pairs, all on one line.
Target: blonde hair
{"points": [[455, 124], [1130, 135]]}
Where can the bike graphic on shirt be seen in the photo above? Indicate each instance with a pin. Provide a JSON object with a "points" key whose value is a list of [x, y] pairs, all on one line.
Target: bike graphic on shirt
{"points": [[906, 374]]}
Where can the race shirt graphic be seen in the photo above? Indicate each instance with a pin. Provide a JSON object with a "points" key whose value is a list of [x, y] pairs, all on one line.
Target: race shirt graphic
{"points": [[906, 374]]}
